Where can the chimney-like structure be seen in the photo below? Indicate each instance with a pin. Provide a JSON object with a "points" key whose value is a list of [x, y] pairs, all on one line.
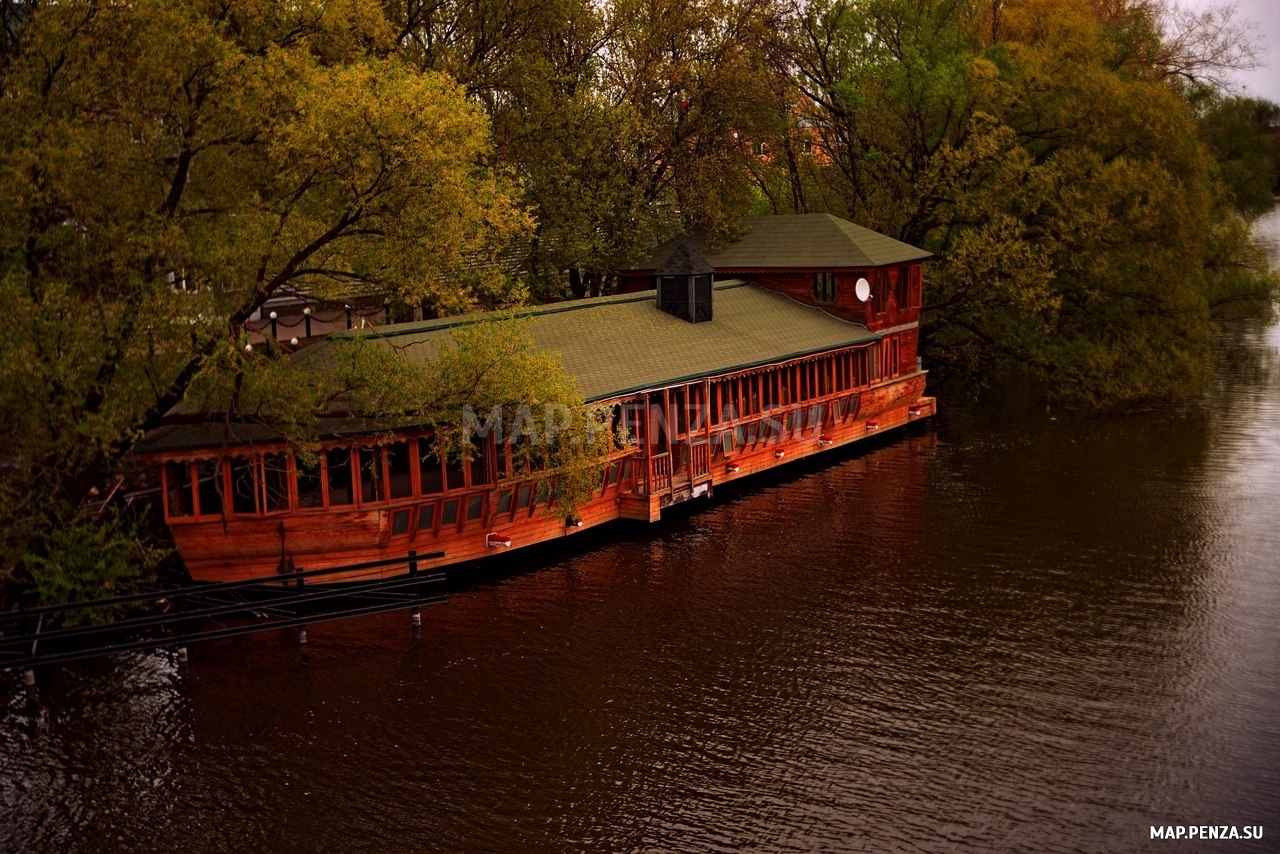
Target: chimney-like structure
{"points": [[684, 285]]}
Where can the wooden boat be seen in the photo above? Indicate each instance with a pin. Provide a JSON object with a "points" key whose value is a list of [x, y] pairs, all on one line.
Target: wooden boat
{"points": [[798, 338]]}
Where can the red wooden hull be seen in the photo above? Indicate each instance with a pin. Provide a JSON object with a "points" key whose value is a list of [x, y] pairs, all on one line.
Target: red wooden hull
{"points": [[234, 548]]}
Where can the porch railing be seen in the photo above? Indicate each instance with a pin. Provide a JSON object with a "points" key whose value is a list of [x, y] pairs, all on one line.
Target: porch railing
{"points": [[659, 473]]}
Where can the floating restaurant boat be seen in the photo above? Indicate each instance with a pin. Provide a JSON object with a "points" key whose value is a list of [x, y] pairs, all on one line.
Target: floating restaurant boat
{"points": [[718, 363]]}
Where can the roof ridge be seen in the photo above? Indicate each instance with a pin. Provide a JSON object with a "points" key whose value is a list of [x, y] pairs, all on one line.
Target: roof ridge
{"points": [[435, 324]]}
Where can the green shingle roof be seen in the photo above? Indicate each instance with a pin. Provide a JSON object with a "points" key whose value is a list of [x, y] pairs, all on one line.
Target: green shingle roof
{"points": [[610, 345], [617, 344], [799, 241]]}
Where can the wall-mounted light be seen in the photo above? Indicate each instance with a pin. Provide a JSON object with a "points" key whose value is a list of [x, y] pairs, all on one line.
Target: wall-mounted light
{"points": [[497, 541]]}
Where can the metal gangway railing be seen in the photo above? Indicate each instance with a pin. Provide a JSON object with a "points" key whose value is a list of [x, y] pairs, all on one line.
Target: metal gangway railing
{"points": [[175, 617]]}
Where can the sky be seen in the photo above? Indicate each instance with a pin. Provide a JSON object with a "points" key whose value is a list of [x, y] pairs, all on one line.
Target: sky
{"points": [[1264, 15]]}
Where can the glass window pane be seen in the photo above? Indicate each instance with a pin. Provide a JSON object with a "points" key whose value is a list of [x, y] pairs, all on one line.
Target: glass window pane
{"points": [[400, 479], [275, 481], [310, 493], [209, 473], [371, 485], [456, 478], [243, 486], [429, 468], [475, 507], [400, 522], [338, 463], [178, 481], [426, 517], [522, 498], [449, 516], [479, 464], [504, 502]]}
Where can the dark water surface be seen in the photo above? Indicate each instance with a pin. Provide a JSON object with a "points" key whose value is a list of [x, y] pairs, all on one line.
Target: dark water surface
{"points": [[1017, 630]]}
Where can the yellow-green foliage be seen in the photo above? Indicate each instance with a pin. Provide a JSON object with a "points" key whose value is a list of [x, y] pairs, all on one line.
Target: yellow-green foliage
{"points": [[483, 375]]}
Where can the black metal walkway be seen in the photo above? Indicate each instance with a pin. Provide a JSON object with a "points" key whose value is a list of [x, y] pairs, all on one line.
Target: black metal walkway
{"points": [[177, 617]]}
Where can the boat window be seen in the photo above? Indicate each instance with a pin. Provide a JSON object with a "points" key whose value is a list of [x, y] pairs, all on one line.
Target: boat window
{"points": [[338, 463], [503, 460], [426, 517], [243, 486], [399, 477], [310, 492], [753, 433], [523, 496], [275, 481], [475, 507], [177, 477], [455, 476], [400, 522], [504, 501], [429, 470], [543, 493], [815, 416], [774, 429], [824, 287], [902, 289], [209, 477], [794, 420], [479, 463], [449, 515], [726, 441], [611, 478], [626, 471], [616, 427], [372, 487]]}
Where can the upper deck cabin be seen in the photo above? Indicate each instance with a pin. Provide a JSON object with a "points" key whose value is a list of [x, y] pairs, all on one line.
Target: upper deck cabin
{"points": [[817, 259]]}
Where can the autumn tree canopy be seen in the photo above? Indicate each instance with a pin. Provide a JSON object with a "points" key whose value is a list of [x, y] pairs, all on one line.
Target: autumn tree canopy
{"points": [[170, 166], [166, 167]]}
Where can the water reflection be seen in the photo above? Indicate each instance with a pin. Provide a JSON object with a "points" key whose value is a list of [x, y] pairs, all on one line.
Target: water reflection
{"points": [[1018, 630]]}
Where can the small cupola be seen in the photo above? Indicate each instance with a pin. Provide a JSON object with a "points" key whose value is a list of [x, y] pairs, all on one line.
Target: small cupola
{"points": [[684, 285]]}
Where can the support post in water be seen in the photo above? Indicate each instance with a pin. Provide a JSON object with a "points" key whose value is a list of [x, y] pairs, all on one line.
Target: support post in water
{"points": [[415, 613], [299, 585]]}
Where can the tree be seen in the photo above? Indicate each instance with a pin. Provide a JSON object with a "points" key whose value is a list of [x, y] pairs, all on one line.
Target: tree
{"points": [[485, 375], [170, 166], [1038, 148], [1244, 135]]}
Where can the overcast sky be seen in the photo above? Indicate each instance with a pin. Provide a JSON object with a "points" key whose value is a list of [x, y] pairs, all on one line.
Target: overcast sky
{"points": [[1264, 15]]}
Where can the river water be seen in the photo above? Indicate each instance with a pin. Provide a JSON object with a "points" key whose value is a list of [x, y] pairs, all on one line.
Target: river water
{"points": [[1018, 629]]}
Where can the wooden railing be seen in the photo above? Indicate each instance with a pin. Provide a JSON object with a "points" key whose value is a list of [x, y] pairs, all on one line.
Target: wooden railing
{"points": [[700, 459], [659, 473]]}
